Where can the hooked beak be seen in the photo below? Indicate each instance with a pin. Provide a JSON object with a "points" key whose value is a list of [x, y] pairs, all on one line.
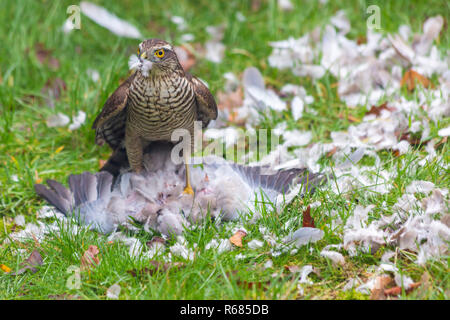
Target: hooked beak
{"points": [[142, 55]]}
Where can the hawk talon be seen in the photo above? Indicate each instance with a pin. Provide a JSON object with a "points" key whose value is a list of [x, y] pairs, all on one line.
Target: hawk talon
{"points": [[188, 190]]}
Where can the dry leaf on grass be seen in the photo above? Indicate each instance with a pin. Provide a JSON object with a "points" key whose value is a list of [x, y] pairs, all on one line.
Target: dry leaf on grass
{"points": [[307, 219], [292, 268], [30, 263], [255, 5], [101, 163], [331, 152], [155, 240], [89, 258], [44, 56], [395, 291], [376, 110], [411, 78], [5, 268], [236, 239], [244, 283], [350, 118], [381, 283]]}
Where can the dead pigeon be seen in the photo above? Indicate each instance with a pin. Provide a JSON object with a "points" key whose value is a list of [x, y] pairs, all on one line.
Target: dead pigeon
{"points": [[225, 190]]}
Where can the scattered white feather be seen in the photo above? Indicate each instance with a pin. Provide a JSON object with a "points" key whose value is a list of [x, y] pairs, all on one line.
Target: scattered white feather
{"points": [[255, 244], [57, 120], [109, 21], [297, 106], [93, 74], [296, 138], [304, 235], [180, 249], [285, 5], [19, 220], [215, 51], [78, 120], [335, 257], [268, 264], [445, 132], [187, 37], [180, 22], [420, 186], [113, 292], [304, 273]]}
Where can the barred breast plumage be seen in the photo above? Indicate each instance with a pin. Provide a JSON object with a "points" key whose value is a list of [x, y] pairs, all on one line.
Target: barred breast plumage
{"points": [[159, 105]]}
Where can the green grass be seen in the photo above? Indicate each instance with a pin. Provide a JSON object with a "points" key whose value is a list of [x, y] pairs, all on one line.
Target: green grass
{"points": [[30, 150]]}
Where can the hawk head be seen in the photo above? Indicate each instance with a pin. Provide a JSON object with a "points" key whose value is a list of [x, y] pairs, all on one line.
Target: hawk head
{"points": [[155, 56]]}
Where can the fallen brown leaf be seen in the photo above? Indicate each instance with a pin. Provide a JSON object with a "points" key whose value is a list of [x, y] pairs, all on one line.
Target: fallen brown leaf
{"points": [[381, 283], [331, 152], [101, 163], [349, 117], [236, 239], [307, 219], [30, 263], [395, 291], [246, 284], [155, 240], [376, 110], [89, 258], [251, 284], [5, 268], [255, 5], [44, 56], [411, 78], [353, 119], [292, 269], [414, 141], [361, 39]]}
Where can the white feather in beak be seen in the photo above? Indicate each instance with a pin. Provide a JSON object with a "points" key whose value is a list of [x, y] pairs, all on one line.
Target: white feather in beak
{"points": [[134, 63]]}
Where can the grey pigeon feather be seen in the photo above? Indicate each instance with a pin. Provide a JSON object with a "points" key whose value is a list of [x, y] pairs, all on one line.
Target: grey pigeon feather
{"points": [[155, 198]]}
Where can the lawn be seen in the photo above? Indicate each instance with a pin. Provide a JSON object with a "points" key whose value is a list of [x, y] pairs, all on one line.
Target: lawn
{"points": [[37, 57]]}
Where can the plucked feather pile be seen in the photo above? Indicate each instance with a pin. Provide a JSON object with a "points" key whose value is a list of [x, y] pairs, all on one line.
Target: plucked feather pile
{"points": [[223, 190]]}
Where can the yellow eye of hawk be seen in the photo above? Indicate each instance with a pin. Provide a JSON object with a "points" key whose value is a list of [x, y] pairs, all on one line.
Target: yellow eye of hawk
{"points": [[159, 53]]}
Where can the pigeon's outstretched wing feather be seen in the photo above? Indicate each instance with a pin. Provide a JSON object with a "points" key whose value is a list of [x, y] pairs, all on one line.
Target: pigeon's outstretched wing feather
{"points": [[60, 200], [223, 187]]}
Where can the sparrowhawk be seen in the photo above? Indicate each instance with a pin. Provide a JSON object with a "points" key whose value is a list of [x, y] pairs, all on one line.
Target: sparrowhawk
{"points": [[157, 99]]}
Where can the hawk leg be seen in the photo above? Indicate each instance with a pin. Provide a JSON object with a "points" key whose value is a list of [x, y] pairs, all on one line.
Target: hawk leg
{"points": [[135, 152], [188, 189]]}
